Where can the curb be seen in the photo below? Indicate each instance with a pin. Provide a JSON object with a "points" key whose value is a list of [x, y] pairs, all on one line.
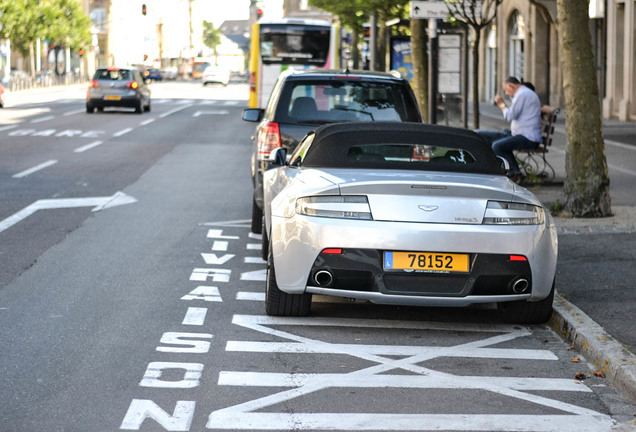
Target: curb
{"points": [[592, 341]]}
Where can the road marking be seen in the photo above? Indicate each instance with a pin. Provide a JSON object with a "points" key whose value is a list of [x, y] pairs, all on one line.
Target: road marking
{"points": [[407, 359], [195, 316], [147, 122], [122, 132], [254, 260], [4, 128], [99, 203], [243, 223], [167, 113], [253, 246], [216, 112], [42, 119], [231, 103], [35, 169], [257, 275], [250, 296], [70, 113], [88, 146]]}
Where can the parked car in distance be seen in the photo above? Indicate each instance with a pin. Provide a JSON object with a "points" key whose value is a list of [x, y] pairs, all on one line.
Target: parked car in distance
{"points": [[305, 99], [404, 214], [153, 74], [215, 75], [117, 87]]}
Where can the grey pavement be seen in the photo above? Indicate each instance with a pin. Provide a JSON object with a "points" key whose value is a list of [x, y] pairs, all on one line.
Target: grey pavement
{"points": [[595, 305]]}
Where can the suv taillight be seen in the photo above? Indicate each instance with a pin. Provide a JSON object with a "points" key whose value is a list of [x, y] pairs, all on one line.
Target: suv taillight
{"points": [[133, 85], [268, 139], [93, 84]]}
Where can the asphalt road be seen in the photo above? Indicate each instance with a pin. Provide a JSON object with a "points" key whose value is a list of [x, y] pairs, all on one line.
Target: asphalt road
{"points": [[149, 315]]}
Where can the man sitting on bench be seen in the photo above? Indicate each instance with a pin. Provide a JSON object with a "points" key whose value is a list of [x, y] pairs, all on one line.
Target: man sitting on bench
{"points": [[524, 116]]}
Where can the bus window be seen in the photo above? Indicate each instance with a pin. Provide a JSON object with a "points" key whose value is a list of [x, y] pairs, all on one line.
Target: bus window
{"points": [[294, 44]]}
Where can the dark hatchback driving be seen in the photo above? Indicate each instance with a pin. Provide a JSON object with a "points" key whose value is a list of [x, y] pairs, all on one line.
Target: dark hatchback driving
{"points": [[305, 99]]}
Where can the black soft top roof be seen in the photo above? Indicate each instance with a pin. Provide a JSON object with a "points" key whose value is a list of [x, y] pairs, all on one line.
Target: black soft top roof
{"points": [[332, 142]]}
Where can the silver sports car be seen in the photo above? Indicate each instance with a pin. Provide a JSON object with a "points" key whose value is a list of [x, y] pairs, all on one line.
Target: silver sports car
{"points": [[404, 214]]}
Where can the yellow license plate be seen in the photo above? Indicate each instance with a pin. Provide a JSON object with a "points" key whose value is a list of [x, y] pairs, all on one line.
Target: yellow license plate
{"points": [[427, 261], [112, 97]]}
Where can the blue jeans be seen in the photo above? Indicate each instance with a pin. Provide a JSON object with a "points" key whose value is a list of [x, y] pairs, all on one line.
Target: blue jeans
{"points": [[503, 143]]}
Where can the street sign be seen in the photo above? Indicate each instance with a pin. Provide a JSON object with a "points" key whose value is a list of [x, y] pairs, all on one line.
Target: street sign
{"points": [[428, 9]]}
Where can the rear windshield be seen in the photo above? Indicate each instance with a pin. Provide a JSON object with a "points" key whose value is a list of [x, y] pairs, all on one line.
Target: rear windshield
{"points": [[294, 44], [113, 75], [322, 102]]}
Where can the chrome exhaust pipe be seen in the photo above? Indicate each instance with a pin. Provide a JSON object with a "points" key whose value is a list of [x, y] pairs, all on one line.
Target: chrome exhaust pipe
{"points": [[323, 278], [520, 285]]}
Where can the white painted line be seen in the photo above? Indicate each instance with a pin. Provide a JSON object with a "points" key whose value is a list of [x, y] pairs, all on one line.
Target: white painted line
{"points": [[254, 246], [147, 122], [270, 379], [231, 103], [35, 169], [257, 275], [4, 128], [250, 296], [88, 146], [70, 113], [167, 113], [42, 119], [244, 223], [122, 132], [99, 203], [254, 260], [255, 236], [195, 316], [220, 246], [223, 419], [216, 112], [208, 102]]}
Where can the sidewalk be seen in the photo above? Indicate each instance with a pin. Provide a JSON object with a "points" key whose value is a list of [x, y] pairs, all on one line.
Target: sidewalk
{"points": [[596, 267]]}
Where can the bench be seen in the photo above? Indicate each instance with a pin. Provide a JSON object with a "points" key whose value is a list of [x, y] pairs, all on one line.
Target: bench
{"points": [[533, 162]]}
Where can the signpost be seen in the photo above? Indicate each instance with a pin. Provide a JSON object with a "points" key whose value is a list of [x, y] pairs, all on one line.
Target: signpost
{"points": [[428, 9]]}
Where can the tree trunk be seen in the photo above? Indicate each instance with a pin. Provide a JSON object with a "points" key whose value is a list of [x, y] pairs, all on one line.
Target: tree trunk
{"points": [[475, 79], [586, 175], [419, 54], [355, 50], [381, 42]]}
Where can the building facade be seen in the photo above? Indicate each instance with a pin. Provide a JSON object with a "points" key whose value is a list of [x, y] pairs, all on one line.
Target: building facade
{"points": [[523, 42]]}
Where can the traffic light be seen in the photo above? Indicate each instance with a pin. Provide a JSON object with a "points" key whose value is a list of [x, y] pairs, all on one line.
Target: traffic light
{"points": [[259, 13], [143, 9]]}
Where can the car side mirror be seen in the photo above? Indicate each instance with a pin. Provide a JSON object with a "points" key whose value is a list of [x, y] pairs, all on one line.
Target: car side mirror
{"points": [[252, 114], [278, 157]]}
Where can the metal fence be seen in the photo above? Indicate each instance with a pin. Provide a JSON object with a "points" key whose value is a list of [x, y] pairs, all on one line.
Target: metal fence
{"points": [[22, 81]]}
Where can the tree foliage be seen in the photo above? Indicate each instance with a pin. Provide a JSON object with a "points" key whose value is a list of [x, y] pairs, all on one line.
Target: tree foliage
{"points": [[61, 22], [211, 36], [478, 14], [586, 175]]}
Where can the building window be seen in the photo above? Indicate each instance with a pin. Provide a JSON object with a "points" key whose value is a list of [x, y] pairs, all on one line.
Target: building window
{"points": [[516, 65]]}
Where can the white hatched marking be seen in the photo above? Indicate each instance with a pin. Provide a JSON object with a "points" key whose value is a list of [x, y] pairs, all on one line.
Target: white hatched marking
{"points": [[167, 113], [254, 246], [257, 275], [408, 358], [255, 236], [195, 316], [220, 245], [4, 128]]}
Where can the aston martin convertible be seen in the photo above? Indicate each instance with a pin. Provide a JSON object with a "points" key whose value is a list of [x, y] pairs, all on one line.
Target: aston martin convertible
{"points": [[404, 214]]}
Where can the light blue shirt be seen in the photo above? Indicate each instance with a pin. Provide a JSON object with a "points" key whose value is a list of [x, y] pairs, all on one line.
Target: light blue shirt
{"points": [[524, 114]]}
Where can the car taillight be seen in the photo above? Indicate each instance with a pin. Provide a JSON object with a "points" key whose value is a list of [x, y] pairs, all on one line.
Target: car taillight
{"points": [[268, 139], [93, 84], [133, 85]]}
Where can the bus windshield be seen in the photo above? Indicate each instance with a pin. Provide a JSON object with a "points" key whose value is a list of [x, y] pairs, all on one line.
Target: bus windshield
{"points": [[294, 44]]}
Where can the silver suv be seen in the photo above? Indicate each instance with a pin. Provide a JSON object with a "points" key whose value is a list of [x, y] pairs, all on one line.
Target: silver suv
{"points": [[305, 99]]}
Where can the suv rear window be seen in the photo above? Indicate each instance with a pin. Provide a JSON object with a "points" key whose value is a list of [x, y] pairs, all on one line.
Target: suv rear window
{"points": [[321, 102]]}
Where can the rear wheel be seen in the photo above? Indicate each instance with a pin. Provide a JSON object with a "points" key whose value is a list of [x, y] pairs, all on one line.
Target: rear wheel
{"points": [[139, 107], [526, 312], [264, 245], [147, 107], [257, 218], [279, 303], [90, 109]]}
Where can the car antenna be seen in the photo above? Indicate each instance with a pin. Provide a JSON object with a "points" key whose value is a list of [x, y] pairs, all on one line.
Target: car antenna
{"points": [[347, 71]]}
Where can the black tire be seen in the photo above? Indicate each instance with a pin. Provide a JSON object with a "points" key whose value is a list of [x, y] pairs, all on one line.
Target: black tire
{"points": [[139, 107], [147, 107], [279, 303], [526, 312], [265, 245], [90, 109], [257, 218]]}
